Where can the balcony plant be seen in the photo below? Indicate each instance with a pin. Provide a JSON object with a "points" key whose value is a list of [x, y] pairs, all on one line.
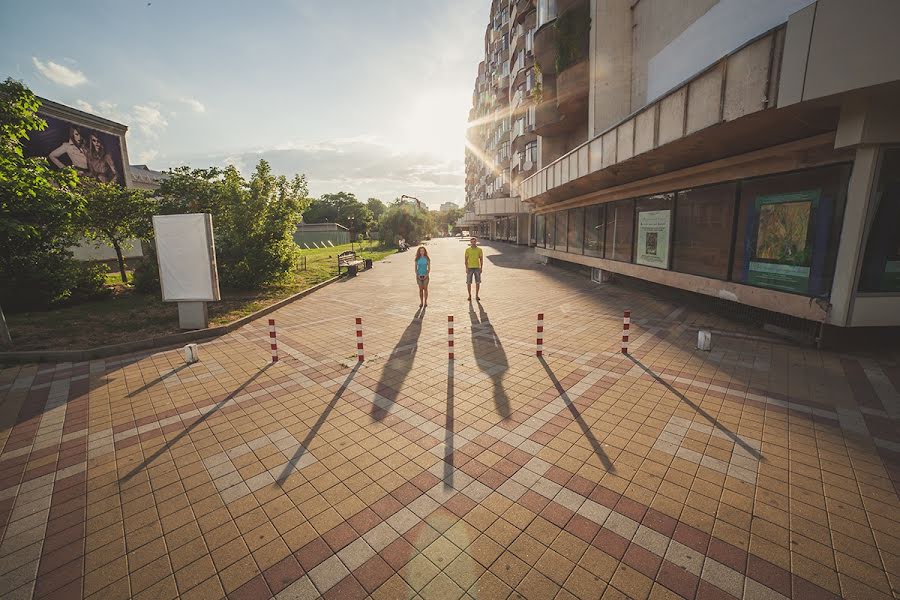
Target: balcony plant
{"points": [[537, 92], [573, 28]]}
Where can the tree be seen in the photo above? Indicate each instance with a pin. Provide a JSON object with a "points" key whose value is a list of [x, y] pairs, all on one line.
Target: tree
{"points": [[342, 208], [404, 220], [376, 207], [40, 213], [253, 220], [115, 215]]}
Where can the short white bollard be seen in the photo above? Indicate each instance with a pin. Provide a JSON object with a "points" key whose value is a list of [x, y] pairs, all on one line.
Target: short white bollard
{"points": [[704, 340], [191, 353]]}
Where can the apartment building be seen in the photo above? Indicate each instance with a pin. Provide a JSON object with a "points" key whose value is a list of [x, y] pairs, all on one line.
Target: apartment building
{"points": [[501, 150], [747, 150]]}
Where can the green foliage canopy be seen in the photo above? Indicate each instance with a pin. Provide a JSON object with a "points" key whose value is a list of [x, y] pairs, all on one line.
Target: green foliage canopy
{"points": [[40, 212], [253, 220], [115, 214]]}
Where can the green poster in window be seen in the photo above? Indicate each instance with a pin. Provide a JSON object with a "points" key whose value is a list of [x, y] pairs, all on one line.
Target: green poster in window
{"points": [[783, 250], [890, 280], [653, 238]]}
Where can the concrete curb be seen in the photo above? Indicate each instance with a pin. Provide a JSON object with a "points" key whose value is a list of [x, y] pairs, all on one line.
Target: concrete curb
{"points": [[163, 341]]}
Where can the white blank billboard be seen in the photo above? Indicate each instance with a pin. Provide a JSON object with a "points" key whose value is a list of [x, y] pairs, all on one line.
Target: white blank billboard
{"points": [[187, 257]]}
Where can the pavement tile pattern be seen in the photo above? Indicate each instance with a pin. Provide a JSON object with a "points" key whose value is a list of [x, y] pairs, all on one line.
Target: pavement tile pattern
{"points": [[759, 470]]}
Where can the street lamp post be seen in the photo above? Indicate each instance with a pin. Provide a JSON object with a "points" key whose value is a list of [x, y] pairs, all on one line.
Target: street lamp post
{"points": [[352, 221], [418, 203]]}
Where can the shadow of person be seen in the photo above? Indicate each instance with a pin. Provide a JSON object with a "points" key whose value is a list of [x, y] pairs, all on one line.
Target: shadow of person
{"points": [[397, 367], [490, 356]]}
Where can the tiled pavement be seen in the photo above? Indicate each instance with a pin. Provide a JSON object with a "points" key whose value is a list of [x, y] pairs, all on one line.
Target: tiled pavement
{"points": [[758, 470]]}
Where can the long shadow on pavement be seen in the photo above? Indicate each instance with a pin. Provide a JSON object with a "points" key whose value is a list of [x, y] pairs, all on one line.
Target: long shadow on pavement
{"points": [[304, 445], [712, 420], [594, 442], [490, 356], [398, 366], [448, 430], [159, 379], [218, 406]]}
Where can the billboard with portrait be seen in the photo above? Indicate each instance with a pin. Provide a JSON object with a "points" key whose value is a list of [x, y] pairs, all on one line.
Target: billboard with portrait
{"points": [[91, 152]]}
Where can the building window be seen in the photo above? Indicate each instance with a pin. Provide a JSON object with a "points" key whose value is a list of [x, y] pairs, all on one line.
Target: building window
{"points": [[540, 223], [513, 223], [531, 152], [560, 238], [546, 11], [653, 238], [619, 230], [788, 229], [881, 265], [551, 230], [594, 217], [704, 218], [576, 230]]}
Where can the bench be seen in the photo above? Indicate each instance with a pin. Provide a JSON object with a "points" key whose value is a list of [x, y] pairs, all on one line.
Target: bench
{"points": [[349, 261]]}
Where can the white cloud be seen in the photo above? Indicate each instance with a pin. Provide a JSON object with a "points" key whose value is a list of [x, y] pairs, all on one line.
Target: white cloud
{"points": [[58, 73], [146, 156], [362, 164], [149, 120], [194, 104]]}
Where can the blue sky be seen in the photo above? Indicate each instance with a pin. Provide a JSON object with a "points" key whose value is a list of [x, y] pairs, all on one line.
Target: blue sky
{"points": [[366, 96]]}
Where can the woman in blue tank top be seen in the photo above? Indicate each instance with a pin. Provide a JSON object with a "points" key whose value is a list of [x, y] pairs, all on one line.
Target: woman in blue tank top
{"points": [[423, 270]]}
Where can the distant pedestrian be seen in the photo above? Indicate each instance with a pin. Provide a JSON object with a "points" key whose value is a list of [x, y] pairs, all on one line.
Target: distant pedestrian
{"points": [[423, 271], [474, 263]]}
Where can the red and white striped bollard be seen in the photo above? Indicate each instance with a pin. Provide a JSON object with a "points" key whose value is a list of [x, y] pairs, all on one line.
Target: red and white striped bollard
{"points": [[450, 336], [540, 335], [272, 341], [359, 340], [626, 325]]}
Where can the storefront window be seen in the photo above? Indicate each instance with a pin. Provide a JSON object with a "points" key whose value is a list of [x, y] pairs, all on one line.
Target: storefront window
{"points": [[514, 229], [561, 237], [704, 218], [788, 230], [551, 229], [619, 230], [654, 230], [881, 265], [594, 217], [540, 223], [576, 230]]}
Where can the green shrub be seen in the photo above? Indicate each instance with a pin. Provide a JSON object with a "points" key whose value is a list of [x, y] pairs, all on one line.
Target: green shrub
{"points": [[88, 282], [145, 277], [33, 281]]}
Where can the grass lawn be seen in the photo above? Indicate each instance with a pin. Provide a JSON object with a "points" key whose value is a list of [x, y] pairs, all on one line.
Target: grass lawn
{"points": [[127, 315]]}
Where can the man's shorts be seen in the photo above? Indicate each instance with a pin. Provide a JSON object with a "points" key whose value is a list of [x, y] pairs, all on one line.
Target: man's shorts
{"points": [[470, 273]]}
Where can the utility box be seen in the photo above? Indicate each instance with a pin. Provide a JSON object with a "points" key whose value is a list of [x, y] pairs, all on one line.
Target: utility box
{"points": [[600, 276]]}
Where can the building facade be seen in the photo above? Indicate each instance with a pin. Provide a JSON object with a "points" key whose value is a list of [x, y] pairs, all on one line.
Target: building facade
{"points": [[501, 148], [448, 206], [743, 149], [317, 235]]}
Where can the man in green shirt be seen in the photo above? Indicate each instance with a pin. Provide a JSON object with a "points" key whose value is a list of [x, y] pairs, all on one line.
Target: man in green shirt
{"points": [[474, 263]]}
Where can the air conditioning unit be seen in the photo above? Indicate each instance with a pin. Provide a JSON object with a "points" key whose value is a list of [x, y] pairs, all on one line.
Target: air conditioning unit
{"points": [[600, 276]]}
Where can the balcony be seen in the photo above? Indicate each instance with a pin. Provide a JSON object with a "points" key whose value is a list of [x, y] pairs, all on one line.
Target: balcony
{"points": [[519, 141], [498, 207], [545, 47], [572, 87], [522, 8]]}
